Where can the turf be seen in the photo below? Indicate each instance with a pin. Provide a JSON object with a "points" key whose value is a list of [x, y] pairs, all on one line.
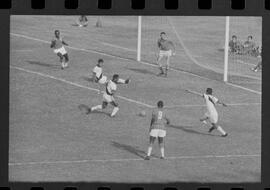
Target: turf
{"points": [[51, 139]]}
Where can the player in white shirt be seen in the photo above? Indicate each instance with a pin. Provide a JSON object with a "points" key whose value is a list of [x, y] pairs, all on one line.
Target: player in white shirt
{"points": [[211, 113], [108, 96], [98, 76]]}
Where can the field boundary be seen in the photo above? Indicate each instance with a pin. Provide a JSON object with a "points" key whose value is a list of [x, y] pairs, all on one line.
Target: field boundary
{"points": [[145, 63], [132, 159]]}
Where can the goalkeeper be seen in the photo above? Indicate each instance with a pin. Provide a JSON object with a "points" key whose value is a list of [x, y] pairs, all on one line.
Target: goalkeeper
{"points": [[166, 49]]}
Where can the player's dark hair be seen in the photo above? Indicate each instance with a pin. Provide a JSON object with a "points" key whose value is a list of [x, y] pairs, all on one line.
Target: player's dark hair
{"points": [[234, 36], [100, 61], [251, 37], [209, 90], [162, 33], [160, 104], [56, 31], [115, 76]]}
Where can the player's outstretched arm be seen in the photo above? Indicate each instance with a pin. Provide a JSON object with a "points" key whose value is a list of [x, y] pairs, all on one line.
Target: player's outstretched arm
{"points": [[222, 103], [52, 44], [123, 81]]}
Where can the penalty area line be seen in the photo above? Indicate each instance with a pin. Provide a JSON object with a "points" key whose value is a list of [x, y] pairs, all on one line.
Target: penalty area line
{"points": [[131, 159], [79, 85]]}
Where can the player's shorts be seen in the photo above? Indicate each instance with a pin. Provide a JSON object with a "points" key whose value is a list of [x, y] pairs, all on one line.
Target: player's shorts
{"points": [[108, 98], [213, 117], [103, 80], [157, 133], [163, 53], [61, 50]]}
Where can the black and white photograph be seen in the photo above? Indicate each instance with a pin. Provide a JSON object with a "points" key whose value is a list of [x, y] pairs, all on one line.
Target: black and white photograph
{"points": [[135, 99]]}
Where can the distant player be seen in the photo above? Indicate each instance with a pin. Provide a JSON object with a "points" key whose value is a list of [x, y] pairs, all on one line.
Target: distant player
{"points": [[82, 21], [98, 76], [259, 64], [58, 45], [211, 113], [234, 45], [158, 129], [166, 49], [108, 96]]}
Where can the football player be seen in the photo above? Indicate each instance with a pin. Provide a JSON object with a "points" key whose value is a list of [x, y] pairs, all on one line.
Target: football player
{"points": [[157, 129], [58, 45], [166, 49], [108, 96], [211, 113]]}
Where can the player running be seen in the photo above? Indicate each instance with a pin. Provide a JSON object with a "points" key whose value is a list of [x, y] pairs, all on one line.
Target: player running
{"points": [[166, 49], [58, 45], [158, 129], [98, 76], [108, 96], [211, 113]]}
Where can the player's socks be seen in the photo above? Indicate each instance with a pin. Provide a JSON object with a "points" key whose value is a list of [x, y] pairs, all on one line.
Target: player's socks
{"points": [[161, 71], [96, 107], [115, 110], [62, 65], [162, 152], [149, 151], [221, 131]]}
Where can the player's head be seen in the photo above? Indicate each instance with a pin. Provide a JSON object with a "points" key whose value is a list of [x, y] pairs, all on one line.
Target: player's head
{"points": [[160, 104], [57, 33], [209, 91], [115, 77], [250, 38], [100, 62], [234, 37], [163, 35]]}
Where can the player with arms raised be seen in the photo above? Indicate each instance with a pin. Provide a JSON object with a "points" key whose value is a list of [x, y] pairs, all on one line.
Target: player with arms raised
{"points": [[58, 45], [166, 49], [158, 129], [108, 96], [211, 113]]}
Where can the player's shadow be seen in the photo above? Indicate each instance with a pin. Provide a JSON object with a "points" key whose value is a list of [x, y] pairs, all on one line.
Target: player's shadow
{"points": [[129, 148], [188, 129], [143, 71], [41, 64], [84, 108]]}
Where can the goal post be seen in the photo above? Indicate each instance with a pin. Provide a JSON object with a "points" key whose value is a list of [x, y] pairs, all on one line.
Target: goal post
{"points": [[226, 49], [139, 38]]}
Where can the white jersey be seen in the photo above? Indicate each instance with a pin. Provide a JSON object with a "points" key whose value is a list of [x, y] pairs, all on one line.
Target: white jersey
{"points": [[98, 71], [210, 103], [110, 87]]}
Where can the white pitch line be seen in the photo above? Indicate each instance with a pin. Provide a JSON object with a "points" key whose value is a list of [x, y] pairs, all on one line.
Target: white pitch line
{"points": [[202, 105], [192, 57], [247, 89], [240, 61], [22, 50], [119, 47], [118, 57], [130, 159], [79, 85]]}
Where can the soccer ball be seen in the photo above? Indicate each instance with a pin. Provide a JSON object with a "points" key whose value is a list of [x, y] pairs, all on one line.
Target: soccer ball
{"points": [[142, 113]]}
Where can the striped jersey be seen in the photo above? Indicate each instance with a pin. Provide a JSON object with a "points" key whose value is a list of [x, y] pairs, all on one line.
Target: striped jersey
{"points": [[159, 119]]}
